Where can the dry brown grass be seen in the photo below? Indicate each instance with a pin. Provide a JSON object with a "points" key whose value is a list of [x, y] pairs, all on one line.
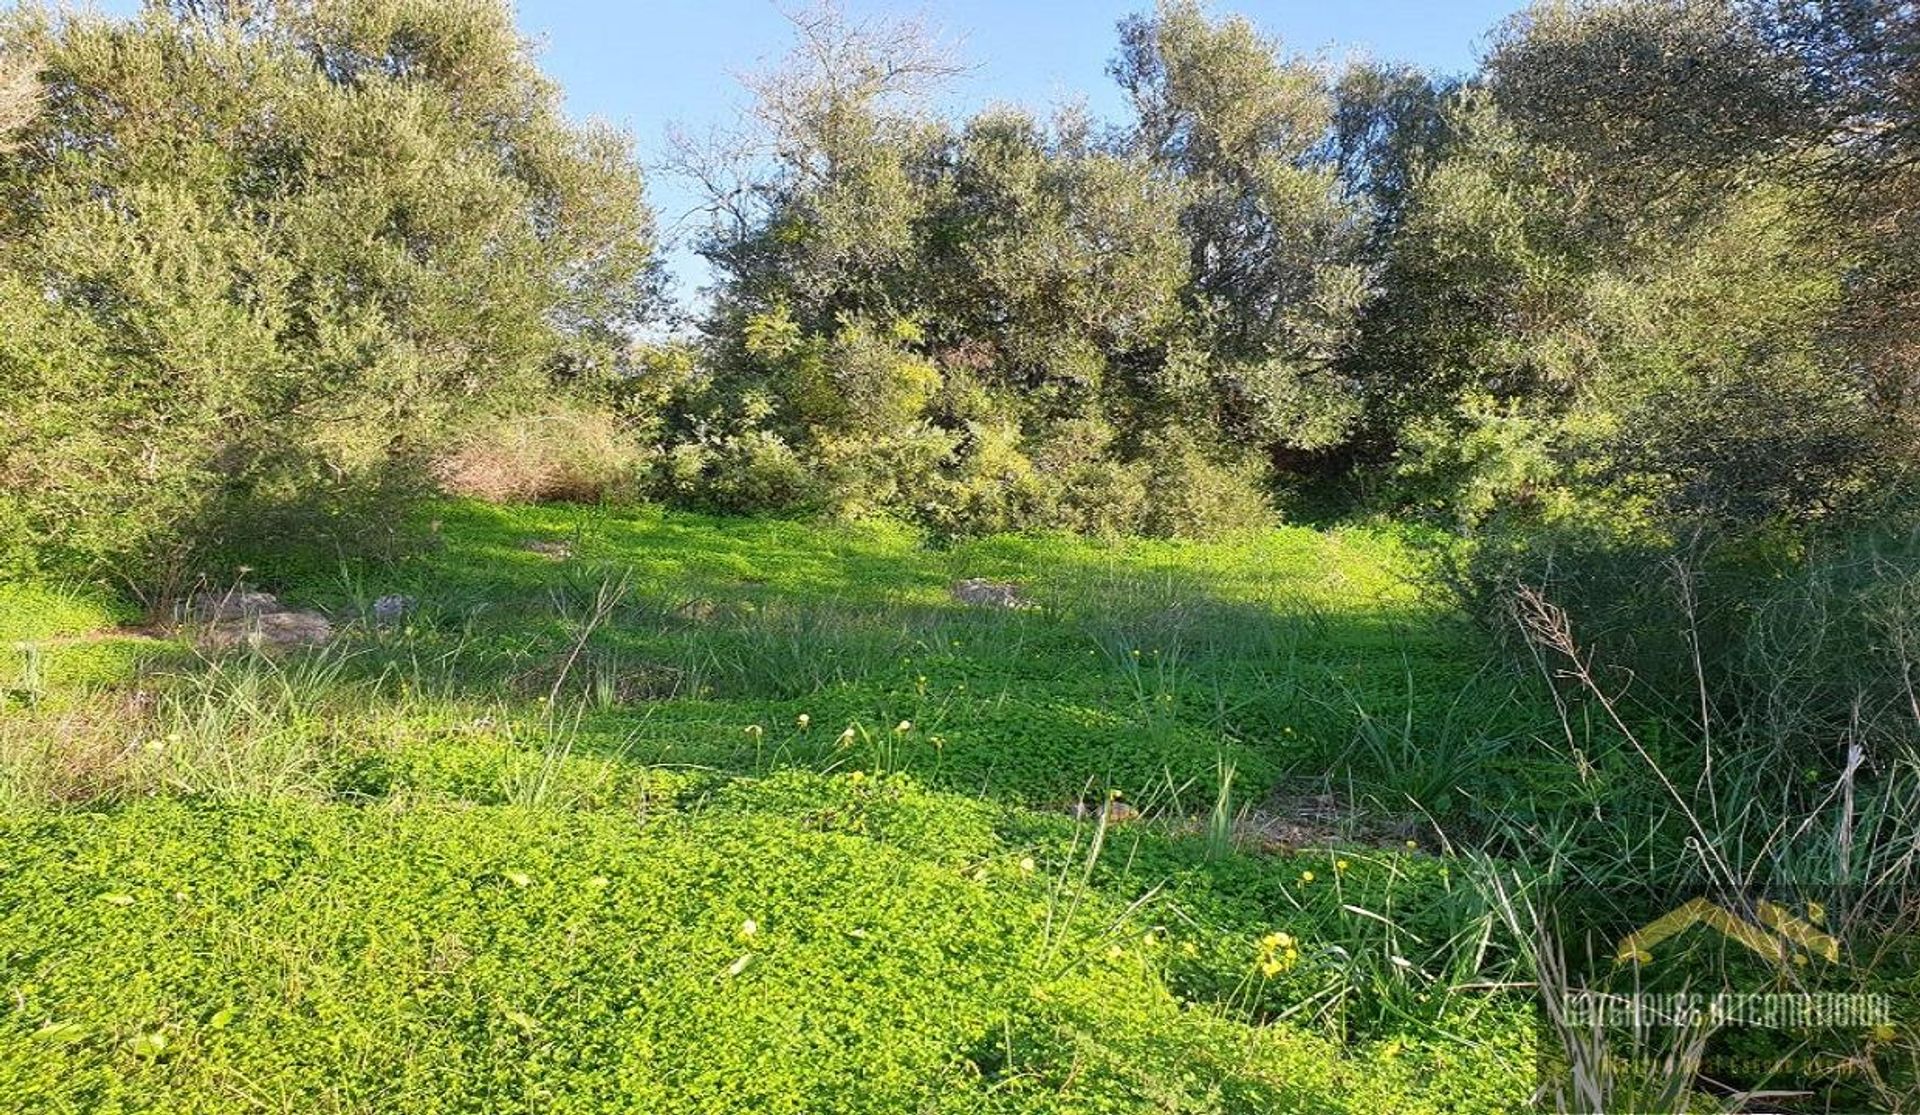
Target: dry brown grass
{"points": [[89, 752], [557, 456]]}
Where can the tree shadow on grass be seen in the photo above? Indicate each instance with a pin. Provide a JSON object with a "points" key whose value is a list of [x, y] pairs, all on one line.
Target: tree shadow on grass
{"points": [[666, 638]]}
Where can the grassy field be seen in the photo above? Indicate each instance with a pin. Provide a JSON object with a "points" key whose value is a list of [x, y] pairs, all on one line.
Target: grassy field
{"points": [[655, 811]]}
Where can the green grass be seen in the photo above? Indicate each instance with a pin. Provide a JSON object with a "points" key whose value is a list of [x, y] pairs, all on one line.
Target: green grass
{"points": [[46, 643], [500, 857]]}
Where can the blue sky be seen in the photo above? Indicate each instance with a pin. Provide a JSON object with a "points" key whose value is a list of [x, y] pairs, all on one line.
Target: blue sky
{"points": [[644, 64]]}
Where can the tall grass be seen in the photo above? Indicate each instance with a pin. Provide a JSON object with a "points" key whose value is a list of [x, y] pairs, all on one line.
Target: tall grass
{"points": [[1791, 760]]}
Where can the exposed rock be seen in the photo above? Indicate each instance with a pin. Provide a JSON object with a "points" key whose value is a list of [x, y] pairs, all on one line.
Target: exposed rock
{"points": [[393, 608], [269, 631], [237, 603], [245, 617], [982, 593], [548, 548]]}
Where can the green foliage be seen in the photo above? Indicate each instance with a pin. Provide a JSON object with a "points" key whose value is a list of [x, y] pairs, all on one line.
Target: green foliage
{"points": [[937, 317], [258, 262], [498, 956], [540, 833]]}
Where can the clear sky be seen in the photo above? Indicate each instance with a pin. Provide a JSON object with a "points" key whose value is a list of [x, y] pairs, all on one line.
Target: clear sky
{"points": [[643, 64]]}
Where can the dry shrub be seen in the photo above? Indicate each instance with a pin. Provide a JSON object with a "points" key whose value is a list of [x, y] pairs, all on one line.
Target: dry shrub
{"points": [[19, 95], [563, 455]]}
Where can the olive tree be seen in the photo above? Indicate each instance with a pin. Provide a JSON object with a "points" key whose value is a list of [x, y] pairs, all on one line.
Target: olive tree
{"points": [[258, 259]]}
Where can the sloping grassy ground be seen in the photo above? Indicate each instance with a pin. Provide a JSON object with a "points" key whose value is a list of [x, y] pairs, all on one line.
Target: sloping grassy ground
{"points": [[715, 815]]}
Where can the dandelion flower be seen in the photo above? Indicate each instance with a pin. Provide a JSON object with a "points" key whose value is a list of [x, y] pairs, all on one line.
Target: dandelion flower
{"points": [[1413, 845], [1027, 865], [1341, 865], [1272, 967], [803, 720], [1306, 876], [749, 927], [904, 726]]}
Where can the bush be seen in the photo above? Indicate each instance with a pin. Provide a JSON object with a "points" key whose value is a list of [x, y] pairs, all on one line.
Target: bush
{"points": [[19, 96], [1094, 492], [1193, 493], [753, 471], [993, 488], [1790, 647], [561, 455]]}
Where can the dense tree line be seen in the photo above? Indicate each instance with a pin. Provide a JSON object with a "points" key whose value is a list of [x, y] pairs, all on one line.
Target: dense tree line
{"points": [[1651, 263], [1651, 266]]}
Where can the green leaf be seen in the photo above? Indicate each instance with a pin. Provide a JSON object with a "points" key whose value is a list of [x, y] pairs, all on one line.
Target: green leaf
{"points": [[148, 1045], [61, 1033]]}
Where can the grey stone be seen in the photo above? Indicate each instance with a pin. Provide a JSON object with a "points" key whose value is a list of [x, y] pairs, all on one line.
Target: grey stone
{"points": [[282, 630], [982, 593], [393, 607]]}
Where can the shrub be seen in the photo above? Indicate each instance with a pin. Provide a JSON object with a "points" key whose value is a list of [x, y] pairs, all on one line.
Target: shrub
{"points": [[1094, 492], [563, 454], [1194, 493], [19, 96], [993, 488], [753, 471], [1780, 648]]}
